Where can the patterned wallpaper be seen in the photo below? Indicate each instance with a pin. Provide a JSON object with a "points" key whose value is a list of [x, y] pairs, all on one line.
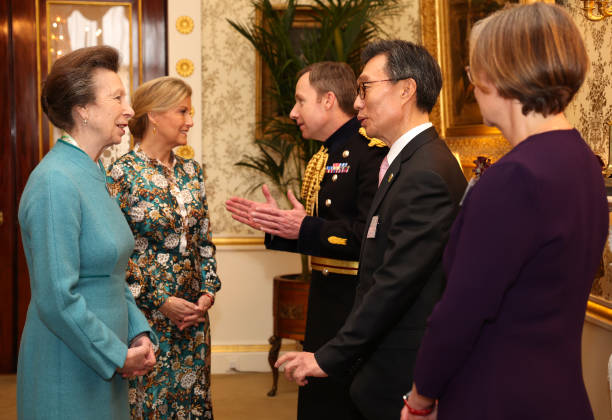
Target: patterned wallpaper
{"points": [[591, 109], [228, 77], [228, 108]]}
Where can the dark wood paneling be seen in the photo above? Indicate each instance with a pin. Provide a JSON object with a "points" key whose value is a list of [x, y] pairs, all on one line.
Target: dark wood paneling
{"points": [[154, 39], [7, 196], [26, 134]]}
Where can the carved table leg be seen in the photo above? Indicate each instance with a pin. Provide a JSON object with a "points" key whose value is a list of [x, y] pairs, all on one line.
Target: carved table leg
{"points": [[275, 342]]}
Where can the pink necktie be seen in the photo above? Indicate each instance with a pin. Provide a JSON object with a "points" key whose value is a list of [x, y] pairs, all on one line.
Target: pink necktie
{"points": [[383, 169]]}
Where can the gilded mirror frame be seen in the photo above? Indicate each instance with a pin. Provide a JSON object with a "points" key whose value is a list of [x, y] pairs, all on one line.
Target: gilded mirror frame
{"points": [[468, 140]]}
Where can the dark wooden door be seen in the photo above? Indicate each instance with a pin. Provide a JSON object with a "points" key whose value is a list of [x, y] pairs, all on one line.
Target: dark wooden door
{"points": [[24, 132]]}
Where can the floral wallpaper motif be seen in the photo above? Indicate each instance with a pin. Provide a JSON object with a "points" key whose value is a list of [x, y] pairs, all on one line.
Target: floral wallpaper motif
{"points": [[591, 109], [228, 108]]}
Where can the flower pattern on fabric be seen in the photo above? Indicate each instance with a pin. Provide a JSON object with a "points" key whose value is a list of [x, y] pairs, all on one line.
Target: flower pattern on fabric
{"points": [[173, 256]]}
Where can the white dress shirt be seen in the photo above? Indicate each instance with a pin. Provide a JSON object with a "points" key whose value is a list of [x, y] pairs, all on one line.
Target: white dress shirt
{"points": [[404, 139]]}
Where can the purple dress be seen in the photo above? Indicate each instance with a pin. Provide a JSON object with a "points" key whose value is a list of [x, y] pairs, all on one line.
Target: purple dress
{"points": [[504, 341]]}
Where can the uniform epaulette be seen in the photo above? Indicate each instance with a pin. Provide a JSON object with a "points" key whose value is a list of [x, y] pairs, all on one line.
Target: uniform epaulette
{"points": [[373, 141]]}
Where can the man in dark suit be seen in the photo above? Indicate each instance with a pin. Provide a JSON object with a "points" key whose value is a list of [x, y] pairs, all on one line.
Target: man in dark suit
{"points": [[400, 276], [342, 189]]}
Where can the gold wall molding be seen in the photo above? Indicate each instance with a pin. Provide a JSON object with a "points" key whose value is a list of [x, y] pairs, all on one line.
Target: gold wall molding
{"points": [[184, 24], [184, 67], [254, 348], [597, 10], [238, 241], [598, 312], [469, 148]]}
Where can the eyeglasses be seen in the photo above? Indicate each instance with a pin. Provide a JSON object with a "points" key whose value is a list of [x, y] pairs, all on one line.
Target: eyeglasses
{"points": [[469, 74], [361, 86]]}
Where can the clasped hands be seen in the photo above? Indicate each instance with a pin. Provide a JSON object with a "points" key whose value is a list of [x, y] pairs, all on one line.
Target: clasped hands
{"points": [[140, 357], [299, 365], [267, 217], [184, 313]]}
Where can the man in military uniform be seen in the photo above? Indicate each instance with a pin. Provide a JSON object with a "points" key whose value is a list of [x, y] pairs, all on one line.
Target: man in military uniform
{"points": [[339, 184]]}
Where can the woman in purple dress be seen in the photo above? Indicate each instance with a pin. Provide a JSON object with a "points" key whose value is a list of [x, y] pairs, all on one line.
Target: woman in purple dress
{"points": [[504, 341]]}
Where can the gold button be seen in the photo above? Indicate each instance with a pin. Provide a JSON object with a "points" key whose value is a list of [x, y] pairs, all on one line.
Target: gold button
{"points": [[327, 202], [346, 154], [325, 272], [335, 178]]}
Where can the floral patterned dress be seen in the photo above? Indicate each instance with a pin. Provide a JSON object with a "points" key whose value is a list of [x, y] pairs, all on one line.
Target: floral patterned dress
{"points": [[173, 256]]}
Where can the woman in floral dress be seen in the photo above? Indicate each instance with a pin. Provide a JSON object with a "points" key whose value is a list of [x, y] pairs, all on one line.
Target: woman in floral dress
{"points": [[172, 272]]}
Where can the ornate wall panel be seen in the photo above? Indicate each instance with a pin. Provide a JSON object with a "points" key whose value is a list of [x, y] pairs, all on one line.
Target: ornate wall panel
{"points": [[185, 62], [591, 109], [590, 112]]}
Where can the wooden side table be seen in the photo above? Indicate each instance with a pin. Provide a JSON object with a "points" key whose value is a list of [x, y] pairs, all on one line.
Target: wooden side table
{"points": [[290, 306]]}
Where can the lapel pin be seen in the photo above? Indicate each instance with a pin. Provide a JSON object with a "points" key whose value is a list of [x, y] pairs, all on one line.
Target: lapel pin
{"points": [[390, 178]]}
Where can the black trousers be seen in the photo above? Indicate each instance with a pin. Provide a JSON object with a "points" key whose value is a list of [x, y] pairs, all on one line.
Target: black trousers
{"points": [[329, 302]]}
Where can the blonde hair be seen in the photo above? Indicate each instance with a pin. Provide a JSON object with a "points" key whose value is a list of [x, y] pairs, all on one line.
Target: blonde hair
{"points": [[533, 53], [157, 95]]}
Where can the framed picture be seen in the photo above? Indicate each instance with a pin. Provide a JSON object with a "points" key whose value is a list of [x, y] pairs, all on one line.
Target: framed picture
{"points": [[446, 28]]}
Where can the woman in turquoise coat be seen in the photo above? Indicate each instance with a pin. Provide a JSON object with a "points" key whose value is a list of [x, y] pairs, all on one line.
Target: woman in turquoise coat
{"points": [[84, 333]]}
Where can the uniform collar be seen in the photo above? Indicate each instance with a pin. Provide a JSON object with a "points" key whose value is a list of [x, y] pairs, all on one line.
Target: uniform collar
{"points": [[341, 135]]}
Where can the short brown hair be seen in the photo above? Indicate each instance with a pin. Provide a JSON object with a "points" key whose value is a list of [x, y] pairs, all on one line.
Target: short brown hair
{"points": [[70, 82], [157, 95], [335, 77], [533, 53]]}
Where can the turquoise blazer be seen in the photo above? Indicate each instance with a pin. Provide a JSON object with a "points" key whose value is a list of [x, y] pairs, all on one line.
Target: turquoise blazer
{"points": [[81, 315]]}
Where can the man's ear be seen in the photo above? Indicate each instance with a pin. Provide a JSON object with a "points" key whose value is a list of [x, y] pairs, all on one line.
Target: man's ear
{"points": [[408, 89], [329, 99]]}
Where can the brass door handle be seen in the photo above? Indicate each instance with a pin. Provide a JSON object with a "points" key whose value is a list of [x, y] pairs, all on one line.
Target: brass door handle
{"points": [[1, 218]]}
